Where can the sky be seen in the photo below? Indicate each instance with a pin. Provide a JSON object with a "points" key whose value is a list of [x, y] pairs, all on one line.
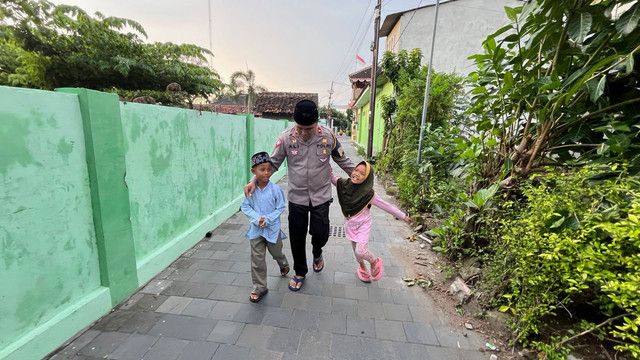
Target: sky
{"points": [[290, 45]]}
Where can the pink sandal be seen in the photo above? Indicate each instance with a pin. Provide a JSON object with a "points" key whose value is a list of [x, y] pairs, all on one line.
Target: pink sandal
{"points": [[379, 268], [364, 275]]}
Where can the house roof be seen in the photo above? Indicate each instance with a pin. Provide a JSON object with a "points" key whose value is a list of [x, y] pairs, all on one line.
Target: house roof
{"points": [[280, 102], [391, 19], [363, 74]]}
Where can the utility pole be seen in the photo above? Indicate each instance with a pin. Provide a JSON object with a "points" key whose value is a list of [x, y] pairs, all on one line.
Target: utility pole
{"points": [[426, 90], [374, 70], [330, 113]]}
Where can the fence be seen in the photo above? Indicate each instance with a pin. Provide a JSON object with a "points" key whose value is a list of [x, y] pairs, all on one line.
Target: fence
{"points": [[97, 196]]}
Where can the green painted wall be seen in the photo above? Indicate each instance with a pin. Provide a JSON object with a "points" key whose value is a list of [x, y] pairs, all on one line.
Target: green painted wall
{"points": [[181, 166], [362, 135], [48, 250], [98, 196]]}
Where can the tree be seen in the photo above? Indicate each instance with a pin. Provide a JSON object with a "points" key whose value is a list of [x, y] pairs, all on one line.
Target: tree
{"points": [[245, 83], [48, 46]]}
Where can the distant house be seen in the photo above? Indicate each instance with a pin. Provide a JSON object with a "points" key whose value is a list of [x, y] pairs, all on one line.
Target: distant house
{"points": [[279, 105], [462, 27]]}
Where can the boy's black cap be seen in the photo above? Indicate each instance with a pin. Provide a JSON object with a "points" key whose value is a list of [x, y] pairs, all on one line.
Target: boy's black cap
{"points": [[305, 113], [259, 158]]}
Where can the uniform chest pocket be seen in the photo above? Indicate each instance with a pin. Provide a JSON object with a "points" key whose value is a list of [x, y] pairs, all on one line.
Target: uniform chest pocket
{"points": [[323, 151]]}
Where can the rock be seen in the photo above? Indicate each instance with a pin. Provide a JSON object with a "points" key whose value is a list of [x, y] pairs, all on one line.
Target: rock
{"points": [[460, 290], [468, 326], [467, 272], [499, 321], [493, 357], [417, 229]]}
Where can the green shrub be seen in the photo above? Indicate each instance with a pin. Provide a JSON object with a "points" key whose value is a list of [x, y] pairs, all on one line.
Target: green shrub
{"points": [[573, 240]]}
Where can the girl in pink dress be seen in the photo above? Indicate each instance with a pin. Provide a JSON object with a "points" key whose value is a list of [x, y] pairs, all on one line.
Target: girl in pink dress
{"points": [[356, 196]]}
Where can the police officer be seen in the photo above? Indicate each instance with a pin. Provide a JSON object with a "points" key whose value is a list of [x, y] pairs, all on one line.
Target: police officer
{"points": [[307, 147]]}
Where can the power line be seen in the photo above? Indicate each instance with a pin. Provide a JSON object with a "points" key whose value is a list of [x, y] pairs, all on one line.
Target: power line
{"points": [[346, 58]]}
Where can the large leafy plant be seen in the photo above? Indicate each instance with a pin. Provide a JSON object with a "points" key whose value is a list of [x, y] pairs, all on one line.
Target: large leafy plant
{"points": [[558, 86]]}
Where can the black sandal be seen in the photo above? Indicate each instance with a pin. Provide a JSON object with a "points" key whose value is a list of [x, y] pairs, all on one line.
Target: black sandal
{"points": [[284, 270], [260, 295], [316, 262]]}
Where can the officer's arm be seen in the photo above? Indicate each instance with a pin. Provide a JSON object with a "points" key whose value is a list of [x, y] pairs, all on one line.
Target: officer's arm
{"points": [[340, 157], [278, 154]]}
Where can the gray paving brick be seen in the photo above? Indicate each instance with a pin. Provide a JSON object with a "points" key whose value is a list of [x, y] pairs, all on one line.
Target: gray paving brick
{"points": [[274, 299], [200, 290], [334, 290], [134, 347], [332, 323], [203, 254], [243, 279], [363, 327], [304, 320], [405, 297], [344, 306], [177, 288], [256, 336], [220, 255], [231, 352], [244, 267], [295, 300], [357, 292], [369, 309], [213, 265], [155, 286], [183, 327], [166, 349], [198, 350], [425, 315], [321, 304], [230, 293], [380, 295], [420, 333], [141, 322], [346, 347], [277, 317], [315, 344], [81, 341], [114, 320], [260, 354], [250, 313], [219, 245], [214, 277], [397, 312], [174, 305], [226, 332], [225, 310], [380, 349], [182, 274], [199, 307], [104, 344], [390, 330], [284, 340]]}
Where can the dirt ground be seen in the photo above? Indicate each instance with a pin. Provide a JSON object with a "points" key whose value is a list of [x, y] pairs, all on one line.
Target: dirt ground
{"points": [[422, 262]]}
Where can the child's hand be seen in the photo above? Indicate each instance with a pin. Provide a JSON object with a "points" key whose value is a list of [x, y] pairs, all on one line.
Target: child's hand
{"points": [[261, 222], [407, 219]]}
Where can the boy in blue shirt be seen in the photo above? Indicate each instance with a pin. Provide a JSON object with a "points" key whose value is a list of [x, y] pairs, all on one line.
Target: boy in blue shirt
{"points": [[263, 209]]}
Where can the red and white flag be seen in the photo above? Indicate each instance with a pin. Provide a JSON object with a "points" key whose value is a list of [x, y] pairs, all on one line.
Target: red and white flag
{"points": [[358, 58]]}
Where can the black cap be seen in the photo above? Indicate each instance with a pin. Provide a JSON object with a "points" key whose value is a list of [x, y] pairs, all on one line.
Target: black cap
{"points": [[259, 158], [305, 113]]}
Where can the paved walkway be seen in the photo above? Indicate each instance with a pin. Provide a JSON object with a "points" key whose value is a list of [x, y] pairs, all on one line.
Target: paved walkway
{"points": [[198, 307]]}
